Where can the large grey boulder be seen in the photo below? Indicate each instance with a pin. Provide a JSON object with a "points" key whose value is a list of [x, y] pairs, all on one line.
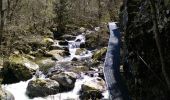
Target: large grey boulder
{"points": [[42, 88], [65, 79], [92, 89]]}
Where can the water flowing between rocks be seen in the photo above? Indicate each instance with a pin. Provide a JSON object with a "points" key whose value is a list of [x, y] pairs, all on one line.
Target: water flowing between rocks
{"points": [[19, 89]]}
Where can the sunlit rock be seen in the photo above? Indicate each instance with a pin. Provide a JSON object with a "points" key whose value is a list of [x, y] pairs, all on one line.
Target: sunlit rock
{"points": [[92, 89], [65, 79], [42, 88], [18, 68]]}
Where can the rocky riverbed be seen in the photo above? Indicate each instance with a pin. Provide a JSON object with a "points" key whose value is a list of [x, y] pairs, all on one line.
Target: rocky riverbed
{"points": [[70, 69]]}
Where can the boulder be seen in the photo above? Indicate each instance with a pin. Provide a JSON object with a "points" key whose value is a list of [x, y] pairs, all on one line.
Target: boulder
{"points": [[18, 68], [58, 54], [81, 51], [6, 95], [92, 89], [99, 54], [65, 79], [45, 64], [42, 88]]}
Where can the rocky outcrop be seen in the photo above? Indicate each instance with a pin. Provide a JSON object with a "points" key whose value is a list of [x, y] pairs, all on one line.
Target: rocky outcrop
{"points": [[65, 79], [18, 68], [92, 89], [42, 88]]}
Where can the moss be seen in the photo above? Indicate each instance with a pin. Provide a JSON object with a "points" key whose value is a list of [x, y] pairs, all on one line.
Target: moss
{"points": [[40, 82]]}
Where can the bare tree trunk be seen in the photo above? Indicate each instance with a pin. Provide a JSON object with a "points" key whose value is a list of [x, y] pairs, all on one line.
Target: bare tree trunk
{"points": [[2, 20], [158, 42]]}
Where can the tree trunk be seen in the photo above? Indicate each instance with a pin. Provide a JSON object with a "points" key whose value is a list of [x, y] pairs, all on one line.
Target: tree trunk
{"points": [[2, 20]]}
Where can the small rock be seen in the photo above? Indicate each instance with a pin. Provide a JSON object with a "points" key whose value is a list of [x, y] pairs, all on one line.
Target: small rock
{"points": [[82, 30], [74, 59]]}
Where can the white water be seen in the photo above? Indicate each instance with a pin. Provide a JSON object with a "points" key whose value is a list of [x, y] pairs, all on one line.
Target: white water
{"points": [[19, 89]]}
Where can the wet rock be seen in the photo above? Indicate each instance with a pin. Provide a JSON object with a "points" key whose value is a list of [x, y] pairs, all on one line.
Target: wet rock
{"points": [[6, 95], [18, 68], [65, 79], [74, 59], [82, 45], [81, 51], [42, 88], [92, 89], [99, 54], [63, 43]]}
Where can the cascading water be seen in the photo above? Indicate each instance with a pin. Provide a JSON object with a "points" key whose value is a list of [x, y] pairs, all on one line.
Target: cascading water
{"points": [[19, 89]]}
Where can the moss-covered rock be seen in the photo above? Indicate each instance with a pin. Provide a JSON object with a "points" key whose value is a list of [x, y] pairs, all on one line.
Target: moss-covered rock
{"points": [[18, 68], [81, 51], [45, 64], [42, 88], [99, 54], [58, 54], [92, 89], [40, 42]]}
